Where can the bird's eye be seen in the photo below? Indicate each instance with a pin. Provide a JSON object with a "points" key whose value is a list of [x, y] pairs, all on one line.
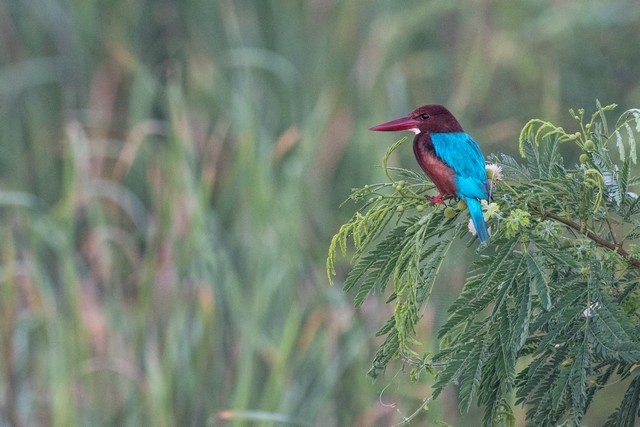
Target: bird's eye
{"points": [[424, 116]]}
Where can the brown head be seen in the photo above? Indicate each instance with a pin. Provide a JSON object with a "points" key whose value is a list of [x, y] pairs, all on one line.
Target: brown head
{"points": [[432, 118]]}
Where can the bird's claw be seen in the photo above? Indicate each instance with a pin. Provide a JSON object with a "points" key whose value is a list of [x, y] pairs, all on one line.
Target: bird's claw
{"points": [[436, 200]]}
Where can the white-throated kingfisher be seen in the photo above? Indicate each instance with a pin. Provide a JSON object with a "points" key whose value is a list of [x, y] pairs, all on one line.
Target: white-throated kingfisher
{"points": [[449, 157]]}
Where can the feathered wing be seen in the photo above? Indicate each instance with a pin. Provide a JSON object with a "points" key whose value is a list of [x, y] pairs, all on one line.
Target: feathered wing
{"points": [[463, 155]]}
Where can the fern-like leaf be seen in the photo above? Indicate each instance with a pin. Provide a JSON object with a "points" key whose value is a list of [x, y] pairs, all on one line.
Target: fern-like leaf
{"points": [[627, 412], [539, 279]]}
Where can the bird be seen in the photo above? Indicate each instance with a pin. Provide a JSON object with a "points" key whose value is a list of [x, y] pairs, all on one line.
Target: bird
{"points": [[449, 156]]}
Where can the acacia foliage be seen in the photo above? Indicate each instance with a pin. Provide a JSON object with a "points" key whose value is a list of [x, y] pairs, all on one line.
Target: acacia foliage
{"points": [[549, 313]]}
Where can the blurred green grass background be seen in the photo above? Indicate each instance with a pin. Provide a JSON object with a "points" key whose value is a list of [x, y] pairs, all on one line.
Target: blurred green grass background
{"points": [[170, 176]]}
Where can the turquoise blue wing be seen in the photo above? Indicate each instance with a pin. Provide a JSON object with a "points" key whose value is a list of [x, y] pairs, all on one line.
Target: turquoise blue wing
{"points": [[463, 155]]}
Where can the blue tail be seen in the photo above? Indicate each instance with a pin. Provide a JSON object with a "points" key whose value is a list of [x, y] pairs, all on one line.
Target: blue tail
{"points": [[475, 210]]}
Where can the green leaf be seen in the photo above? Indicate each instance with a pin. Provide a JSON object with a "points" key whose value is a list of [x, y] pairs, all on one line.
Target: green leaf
{"points": [[479, 291], [388, 350], [538, 279], [506, 366], [580, 371], [620, 145], [632, 143], [378, 264], [458, 358], [471, 376], [520, 327], [613, 332], [627, 412]]}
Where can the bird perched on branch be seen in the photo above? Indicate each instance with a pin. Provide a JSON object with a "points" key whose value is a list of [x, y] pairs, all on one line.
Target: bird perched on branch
{"points": [[449, 157]]}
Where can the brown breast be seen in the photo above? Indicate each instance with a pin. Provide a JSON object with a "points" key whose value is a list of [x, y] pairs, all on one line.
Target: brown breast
{"points": [[437, 171]]}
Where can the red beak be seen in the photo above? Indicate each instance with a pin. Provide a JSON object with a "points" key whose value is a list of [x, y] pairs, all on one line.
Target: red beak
{"points": [[404, 123]]}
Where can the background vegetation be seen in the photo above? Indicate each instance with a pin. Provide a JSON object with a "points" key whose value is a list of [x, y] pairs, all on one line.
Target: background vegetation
{"points": [[170, 176]]}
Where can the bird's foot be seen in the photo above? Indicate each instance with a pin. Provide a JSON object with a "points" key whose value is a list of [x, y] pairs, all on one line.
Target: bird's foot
{"points": [[437, 200]]}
